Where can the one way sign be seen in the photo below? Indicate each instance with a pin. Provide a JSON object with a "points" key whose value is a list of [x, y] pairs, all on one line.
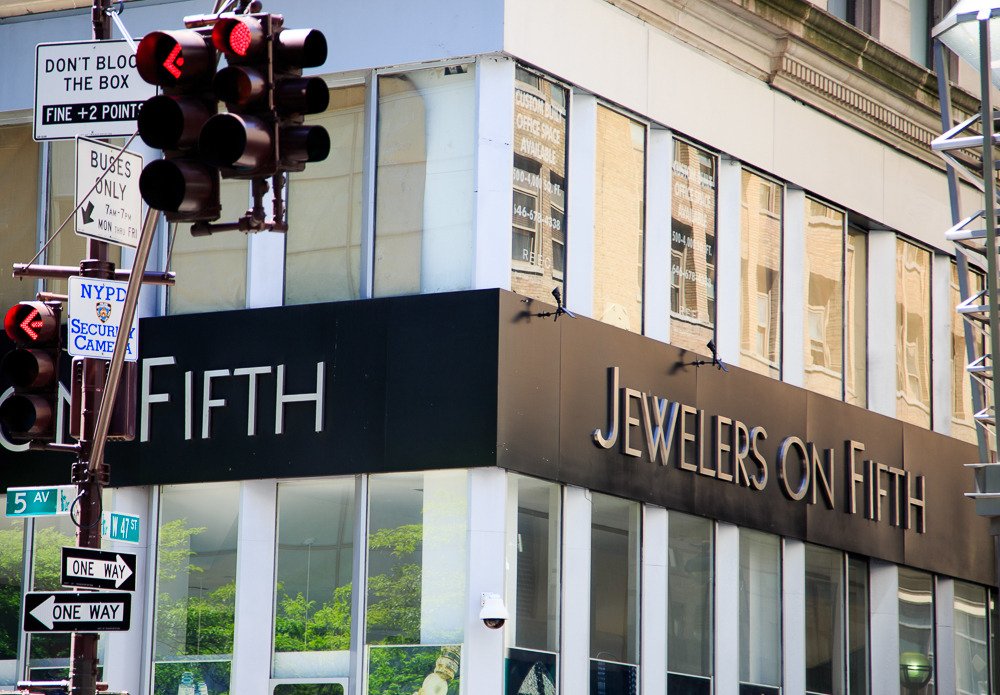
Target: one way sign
{"points": [[97, 569], [64, 611]]}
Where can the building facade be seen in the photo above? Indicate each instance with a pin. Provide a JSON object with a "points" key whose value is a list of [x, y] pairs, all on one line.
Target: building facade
{"points": [[736, 466]]}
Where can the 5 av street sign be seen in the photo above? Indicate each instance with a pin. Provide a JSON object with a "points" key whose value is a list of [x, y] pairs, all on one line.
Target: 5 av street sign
{"points": [[65, 611], [40, 501], [97, 569]]}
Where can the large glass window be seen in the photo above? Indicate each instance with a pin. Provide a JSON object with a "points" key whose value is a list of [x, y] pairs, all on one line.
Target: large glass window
{"points": [[690, 588], [417, 558], [48, 655], [692, 247], [619, 217], [538, 219], [195, 587], [211, 270], [315, 558], [323, 244], [760, 613], [963, 424], [11, 576], [614, 595], [913, 333], [760, 270], [18, 209], [916, 629], [423, 209], [836, 623], [533, 582], [856, 321], [972, 653], [824, 292]]}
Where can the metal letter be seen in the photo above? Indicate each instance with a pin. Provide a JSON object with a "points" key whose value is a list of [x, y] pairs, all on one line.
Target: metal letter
{"points": [[741, 449], [685, 438], [251, 372], [853, 477], [658, 439], [758, 483], [722, 448], [628, 422], [146, 398], [207, 402], [280, 399], [609, 441], [804, 481], [917, 500], [822, 477]]}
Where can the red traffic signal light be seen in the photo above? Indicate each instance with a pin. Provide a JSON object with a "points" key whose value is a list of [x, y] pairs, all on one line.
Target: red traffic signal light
{"points": [[33, 370], [181, 184]]}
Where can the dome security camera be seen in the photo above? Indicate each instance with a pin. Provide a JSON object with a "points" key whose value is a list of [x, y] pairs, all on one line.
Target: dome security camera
{"points": [[494, 612]]}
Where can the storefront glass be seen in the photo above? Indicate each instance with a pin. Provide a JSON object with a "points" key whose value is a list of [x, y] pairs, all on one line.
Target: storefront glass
{"points": [[619, 218], [18, 208], [690, 588], [760, 272], [824, 296], [11, 577], [858, 650], [48, 656], [913, 334], [538, 218], [417, 567], [972, 654], [760, 612], [856, 322], [963, 426], [315, 560], [826, 666], [692, 248], [195, 587], [916, 629], [323, 243], [614, 595], [424, 178]]}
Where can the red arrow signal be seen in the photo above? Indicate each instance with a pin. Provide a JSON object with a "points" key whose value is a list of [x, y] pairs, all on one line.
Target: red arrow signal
{"points": [[174, 62], [31, 322]]}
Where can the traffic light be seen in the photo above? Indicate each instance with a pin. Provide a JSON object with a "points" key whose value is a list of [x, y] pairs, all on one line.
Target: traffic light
{"points": [[33, 370], [266, 98], [182, 64]]}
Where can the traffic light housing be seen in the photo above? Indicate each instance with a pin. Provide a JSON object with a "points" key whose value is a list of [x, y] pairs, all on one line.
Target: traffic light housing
{"points": [[182, 184], [32, 368]]}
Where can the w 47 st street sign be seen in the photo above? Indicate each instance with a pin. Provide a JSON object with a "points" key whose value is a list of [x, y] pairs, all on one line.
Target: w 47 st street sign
{"points": [[64, 611]]}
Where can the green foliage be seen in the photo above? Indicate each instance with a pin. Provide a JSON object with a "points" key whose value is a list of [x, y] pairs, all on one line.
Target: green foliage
{"points": [[11, 561], [401, 670], [299, 629], [216, 674], [394, 597]]}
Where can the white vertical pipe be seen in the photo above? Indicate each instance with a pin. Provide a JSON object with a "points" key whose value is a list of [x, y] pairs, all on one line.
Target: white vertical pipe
{"points": [[656, 265], [727, 268], [574, 660], [727, 609], [653, 641], [580, 261], [793, 615]]}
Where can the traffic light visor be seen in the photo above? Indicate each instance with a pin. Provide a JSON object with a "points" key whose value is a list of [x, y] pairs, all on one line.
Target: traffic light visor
{"points": [[179, 185], [172, 58], [240, 142], [24, 417], [31, 323], [301, 48], [238, 38], [169, 123], [28, 369]]}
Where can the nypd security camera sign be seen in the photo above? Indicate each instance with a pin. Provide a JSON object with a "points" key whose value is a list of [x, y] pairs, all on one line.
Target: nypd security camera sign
{"points": [[95, 309]]}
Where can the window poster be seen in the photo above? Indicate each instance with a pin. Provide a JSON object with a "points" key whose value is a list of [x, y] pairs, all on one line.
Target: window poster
{"points": [[538, 216], [529, 672], [409, 670]]}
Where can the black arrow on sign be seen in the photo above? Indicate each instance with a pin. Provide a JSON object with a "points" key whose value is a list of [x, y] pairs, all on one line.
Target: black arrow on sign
{"points": [[87, 211]]}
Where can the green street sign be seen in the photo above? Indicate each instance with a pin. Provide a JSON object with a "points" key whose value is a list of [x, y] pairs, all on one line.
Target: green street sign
{"points": [[40, 501], [116, 526]]}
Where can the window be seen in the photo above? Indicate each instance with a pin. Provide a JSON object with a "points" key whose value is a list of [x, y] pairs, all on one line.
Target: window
{"points": [[824, 292], [760, 243], [972, 654], [315, 560], [323, 243], [195, 587], [760, 613], [11, 571], [538, 250], [417, 558], [423, 203], [916, 627], [913, 333], [533, 582], [690, 588], [614, 595], [48, 655], [963, 425], [619, 213], [692, 245], [863, 14], [836, 623], [18, 209]]}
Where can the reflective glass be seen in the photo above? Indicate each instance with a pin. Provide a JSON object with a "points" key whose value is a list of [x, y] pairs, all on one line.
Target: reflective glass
{"points": [[48, 657], [538, 218], [18, 209], [825, 621], [690, 588], [11, 577], [760, 609], [533, 582], [856, 340], [824, 292], [692, 247], [913, 334], [972, 657], [614, 580], [423, 202], [619, 215], [916, 629], [195, 588], [323, 243], [963, 425], [417, 550], [315, 559], [760, 270], [859, 652]]}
